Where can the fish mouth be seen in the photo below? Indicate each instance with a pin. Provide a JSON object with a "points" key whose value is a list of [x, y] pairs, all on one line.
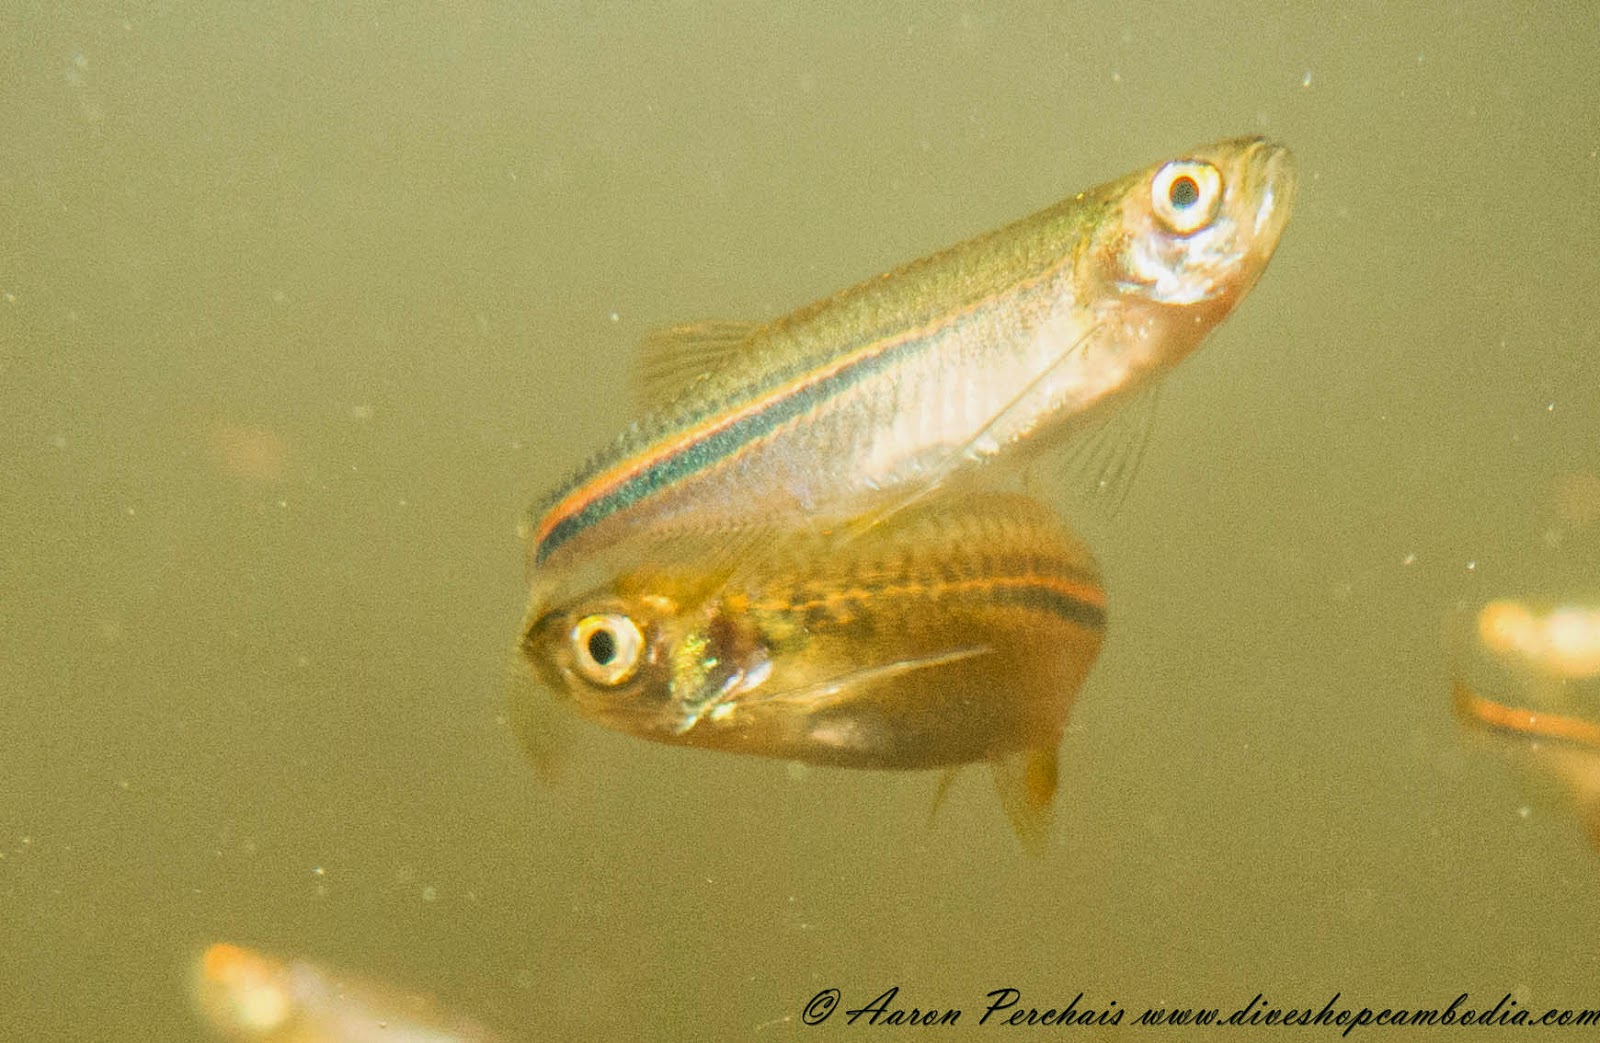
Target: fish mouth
{"points": [[1270, 179]]}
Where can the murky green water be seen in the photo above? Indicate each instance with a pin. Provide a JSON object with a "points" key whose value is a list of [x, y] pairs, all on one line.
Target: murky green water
{"points": [[299, 308]]}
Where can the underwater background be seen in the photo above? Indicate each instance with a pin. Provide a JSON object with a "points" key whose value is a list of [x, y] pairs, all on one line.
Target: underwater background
{"points": [[300, 306]]}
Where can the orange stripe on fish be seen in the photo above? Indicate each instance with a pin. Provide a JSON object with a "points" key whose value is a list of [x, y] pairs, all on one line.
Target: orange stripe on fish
{"points": [[1081, 601], [635, 477], [1533, 723], [877, 385]]}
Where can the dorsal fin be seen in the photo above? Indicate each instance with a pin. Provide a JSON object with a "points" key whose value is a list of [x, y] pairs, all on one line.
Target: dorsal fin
{"points": [[673, 359]]}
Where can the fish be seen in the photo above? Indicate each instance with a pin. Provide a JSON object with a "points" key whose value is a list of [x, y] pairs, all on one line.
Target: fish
{"points": [[1557, 643], [957, 632], [248, 996], [1001, 345], [1532, 677]]}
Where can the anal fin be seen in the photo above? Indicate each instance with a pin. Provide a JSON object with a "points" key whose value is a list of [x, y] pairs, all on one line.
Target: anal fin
{"points": [[1026, 782]]}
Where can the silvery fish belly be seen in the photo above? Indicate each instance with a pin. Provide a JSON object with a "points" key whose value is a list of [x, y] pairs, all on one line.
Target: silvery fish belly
{"points": [[891, 386], [1530, 673], [956, 630]]}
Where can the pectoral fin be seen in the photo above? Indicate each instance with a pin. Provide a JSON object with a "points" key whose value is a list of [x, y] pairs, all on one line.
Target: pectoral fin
{"points": [[540, 725], [1026, 782], [1106, 459], [821, 694], [980, 446]]}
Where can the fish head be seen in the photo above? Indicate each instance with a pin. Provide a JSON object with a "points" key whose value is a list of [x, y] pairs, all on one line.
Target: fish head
{"points": [[649, 654], [1182, 242], [1561, 642]]}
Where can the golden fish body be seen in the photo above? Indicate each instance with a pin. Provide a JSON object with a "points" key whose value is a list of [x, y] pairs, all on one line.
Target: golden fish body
{"points": [[957, 630], [894, 384]]}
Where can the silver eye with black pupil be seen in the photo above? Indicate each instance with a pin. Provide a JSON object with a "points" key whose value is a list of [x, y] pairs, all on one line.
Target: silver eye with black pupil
{"points": [[1186, 195], [606, 648]]}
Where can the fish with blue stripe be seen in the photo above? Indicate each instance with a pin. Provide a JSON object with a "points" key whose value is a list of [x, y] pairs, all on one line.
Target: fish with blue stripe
{"points": [[880, 392]]}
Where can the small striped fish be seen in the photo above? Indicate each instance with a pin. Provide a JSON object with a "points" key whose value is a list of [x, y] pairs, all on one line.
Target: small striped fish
{"points": [[892, 385], [957, 631], [1546, 665], [1531, 672]]}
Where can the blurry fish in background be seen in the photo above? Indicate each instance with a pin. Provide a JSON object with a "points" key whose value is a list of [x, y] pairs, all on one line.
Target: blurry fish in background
{"points": [[1549, 647], [249, 997], [1531, 673], [877, 394], [957, 631]]}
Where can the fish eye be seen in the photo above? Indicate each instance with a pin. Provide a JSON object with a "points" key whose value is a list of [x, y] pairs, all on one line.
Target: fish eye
{"points": [[607, 648], [1185, 195]]}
